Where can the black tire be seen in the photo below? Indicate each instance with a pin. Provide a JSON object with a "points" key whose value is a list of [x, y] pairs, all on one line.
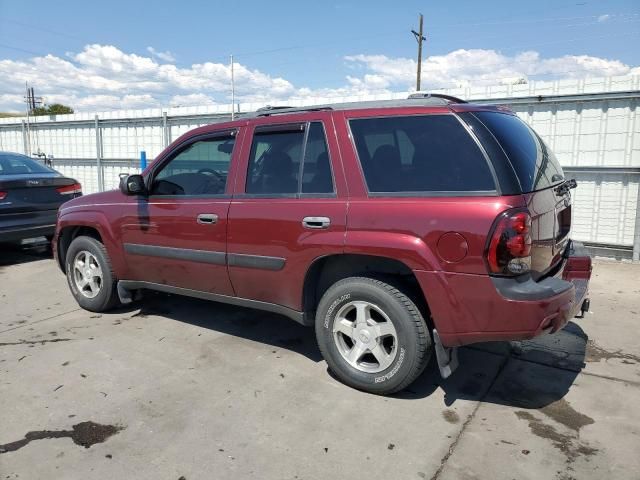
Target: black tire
{"points": [[412, 350], [107, 296]]}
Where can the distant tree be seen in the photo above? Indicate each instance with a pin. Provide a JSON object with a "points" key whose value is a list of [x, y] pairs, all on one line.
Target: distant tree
{"points": [[53, 109], [59, 109]]}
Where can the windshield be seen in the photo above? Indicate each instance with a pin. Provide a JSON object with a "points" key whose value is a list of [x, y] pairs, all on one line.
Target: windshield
{"points": [[16, 164], [534, 163]]}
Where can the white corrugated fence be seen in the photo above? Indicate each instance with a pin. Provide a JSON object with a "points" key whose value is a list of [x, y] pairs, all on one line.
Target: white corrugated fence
{"points": [[591, 124]]}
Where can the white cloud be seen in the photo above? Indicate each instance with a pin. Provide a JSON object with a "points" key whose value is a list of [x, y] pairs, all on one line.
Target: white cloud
{"points": [[104, 77], [191, 99], [604, 18], [477, 67], [165, 56]]}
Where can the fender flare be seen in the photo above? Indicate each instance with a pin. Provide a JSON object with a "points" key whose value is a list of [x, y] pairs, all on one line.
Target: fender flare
{"points": [[96, 220]]}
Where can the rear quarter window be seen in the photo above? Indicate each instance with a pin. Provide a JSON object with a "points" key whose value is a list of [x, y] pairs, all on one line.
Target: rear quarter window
{"points": [[533, 161], [420, 154]]}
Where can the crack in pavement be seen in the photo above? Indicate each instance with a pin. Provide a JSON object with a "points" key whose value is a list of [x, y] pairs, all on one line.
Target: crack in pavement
{"points": [[36, 342], [39, 321], [471, 416]]}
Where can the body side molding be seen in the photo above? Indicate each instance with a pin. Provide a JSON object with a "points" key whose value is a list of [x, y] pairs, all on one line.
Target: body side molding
{"points": [[255, 261], [202, 256]]}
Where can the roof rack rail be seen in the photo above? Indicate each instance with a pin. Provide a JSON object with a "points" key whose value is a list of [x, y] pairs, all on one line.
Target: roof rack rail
{"points": [[271, 110], [268, 108], [418, 99], [447, 98]]}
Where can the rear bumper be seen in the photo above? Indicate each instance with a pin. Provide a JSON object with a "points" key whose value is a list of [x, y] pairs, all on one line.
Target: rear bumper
{"points": [[31, 231], [35, 223], [478, 308]]}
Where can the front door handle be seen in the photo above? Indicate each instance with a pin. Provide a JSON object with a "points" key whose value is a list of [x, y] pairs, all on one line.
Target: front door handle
{"points": [[207, 218], [316, 222]]}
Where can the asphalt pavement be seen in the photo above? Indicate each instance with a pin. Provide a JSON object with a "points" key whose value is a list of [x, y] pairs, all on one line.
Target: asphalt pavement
{"points": [[177, 388]]}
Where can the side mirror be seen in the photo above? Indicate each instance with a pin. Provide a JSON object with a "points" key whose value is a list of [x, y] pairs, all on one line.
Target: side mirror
{"points": [[133, 185]]}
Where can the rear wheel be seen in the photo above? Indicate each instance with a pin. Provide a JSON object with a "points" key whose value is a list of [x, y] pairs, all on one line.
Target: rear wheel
{"points": [[90, 276], [372, 335]]}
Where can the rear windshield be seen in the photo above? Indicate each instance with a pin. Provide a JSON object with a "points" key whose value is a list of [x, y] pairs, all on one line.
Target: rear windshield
{"points": [[534, 163], [14, 164], [422, 153]]}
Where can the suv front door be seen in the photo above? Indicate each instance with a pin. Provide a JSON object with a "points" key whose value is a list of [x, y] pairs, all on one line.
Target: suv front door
{"points": [[177, 234], [289, 208]]}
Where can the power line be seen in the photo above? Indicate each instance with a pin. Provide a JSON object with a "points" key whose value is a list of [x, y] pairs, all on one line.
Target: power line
{"points": [[161, 81]]}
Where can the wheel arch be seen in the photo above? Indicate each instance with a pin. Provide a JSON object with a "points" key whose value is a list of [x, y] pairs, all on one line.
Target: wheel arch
{"points": [[91, 224], [327, 270], [70, 233]]}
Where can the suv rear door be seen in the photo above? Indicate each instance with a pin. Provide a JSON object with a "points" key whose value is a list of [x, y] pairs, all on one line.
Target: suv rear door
{"points": [[289, 207], [177, 234]]}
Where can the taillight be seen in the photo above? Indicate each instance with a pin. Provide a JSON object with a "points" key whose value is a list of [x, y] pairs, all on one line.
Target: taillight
{"points": [[509, 251], [2, 195], [76, 188]]}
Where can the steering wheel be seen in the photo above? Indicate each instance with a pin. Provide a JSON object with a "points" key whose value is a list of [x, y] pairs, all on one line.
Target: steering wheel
{"points": [[211, 171]]}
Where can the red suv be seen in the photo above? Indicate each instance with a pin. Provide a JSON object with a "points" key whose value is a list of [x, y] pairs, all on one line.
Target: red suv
{"points": [[395, 228]]}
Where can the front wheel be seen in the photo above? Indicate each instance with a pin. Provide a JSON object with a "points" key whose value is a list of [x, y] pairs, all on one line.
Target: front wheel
{"points": [[90, 276], [372, 335]]}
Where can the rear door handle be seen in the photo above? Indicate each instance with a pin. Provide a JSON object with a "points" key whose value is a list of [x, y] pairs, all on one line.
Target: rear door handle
{"points": [[316, 222], [207, 218]]}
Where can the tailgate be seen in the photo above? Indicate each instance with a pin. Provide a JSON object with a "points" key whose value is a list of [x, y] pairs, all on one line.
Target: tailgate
{"points": [[540, 176], [550, 227]]}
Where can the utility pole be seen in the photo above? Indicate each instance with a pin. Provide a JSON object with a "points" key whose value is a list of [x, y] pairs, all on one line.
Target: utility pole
{"points": [[29, 106], [419, 38], [32, 102], [233, 92]]}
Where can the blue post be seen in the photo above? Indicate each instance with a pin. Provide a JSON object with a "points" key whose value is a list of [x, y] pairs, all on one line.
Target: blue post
{"points": [[143, 160]]}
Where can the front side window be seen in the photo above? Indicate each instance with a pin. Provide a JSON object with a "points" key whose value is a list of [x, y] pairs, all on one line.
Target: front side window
{"points": [[414, 154], [289, 160], [200, 168]]}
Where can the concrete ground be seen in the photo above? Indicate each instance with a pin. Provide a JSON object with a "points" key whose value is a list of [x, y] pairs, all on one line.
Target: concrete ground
{"points": [[177, 388]]}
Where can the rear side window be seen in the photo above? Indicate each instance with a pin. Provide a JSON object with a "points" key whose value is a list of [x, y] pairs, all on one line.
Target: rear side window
{"points": [[289, 161], [534, 163], [274, 162], [426, 153]]}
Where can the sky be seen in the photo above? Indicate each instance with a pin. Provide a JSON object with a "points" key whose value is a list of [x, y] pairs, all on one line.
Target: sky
{"points": [[116, 54]]}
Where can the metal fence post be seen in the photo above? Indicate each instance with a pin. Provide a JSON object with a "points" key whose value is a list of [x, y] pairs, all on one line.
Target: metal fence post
{"points": [[24, 138], [99, 155], [165, 130], [636, 232]]}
